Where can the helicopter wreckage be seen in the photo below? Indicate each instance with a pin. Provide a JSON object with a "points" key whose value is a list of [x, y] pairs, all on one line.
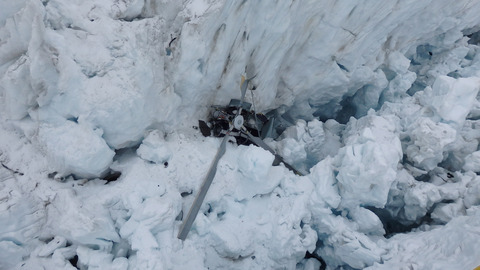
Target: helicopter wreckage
{"points": [[236, 120]]}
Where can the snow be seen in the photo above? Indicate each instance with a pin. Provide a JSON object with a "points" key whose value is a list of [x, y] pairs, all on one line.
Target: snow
{"points": [[450, 247], [380, 108], [472, 162], [154, 149], [429, 140], [79, 150], [452, 99], [371, 140]]}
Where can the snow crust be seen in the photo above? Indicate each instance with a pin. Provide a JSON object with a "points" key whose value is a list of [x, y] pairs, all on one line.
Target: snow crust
{"points": [[382, 101]]}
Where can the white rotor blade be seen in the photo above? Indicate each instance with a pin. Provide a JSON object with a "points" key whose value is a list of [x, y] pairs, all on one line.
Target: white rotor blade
{"points": [[197, 203]]}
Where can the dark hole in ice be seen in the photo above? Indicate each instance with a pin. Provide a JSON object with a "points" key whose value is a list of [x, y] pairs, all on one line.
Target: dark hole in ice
{"points": [[342, 67], [179, 216], [74, 261], [447, 201], [392, 226], [186, 193], [209, 210], [220, 215], [424, 52], [131, 253], [73, 119], [47, 239], [132, 19], [126, 153], [112, 176], [474, 38], [336, 212], [348, 110], [313, 255], [454, 74], [423, 178]]}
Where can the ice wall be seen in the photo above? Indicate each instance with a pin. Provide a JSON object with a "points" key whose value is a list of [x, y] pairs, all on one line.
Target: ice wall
{"points": [[312, 55]]}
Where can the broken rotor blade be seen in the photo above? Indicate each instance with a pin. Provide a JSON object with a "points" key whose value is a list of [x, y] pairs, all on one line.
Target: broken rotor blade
{"points": [[250, 71], [260, 143], [197, 203], [243, 87]]}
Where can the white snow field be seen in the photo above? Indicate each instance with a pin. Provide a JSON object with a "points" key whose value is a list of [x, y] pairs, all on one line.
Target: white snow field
{"points": [[381, 97]]}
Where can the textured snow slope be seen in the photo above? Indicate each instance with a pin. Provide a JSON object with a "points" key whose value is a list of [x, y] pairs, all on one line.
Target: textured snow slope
{"points": [[89, 88]]}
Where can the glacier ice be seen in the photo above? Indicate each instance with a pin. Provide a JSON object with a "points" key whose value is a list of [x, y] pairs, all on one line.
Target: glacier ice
{"points": [[451, 247], [154, 149], [453, 99], [429, 140], [78, 149], [381, 101], [370, 140], [472, 162]]}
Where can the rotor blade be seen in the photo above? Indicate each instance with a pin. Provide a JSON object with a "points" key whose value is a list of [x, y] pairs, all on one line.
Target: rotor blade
{"points": [[267, 129], [259, 142], [250, 70], [290, 167], [244, 85], [243, 88], [197, 203]]}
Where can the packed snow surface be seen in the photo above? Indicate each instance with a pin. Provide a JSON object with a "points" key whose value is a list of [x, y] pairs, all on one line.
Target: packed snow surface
{"points": [[101, 157]]}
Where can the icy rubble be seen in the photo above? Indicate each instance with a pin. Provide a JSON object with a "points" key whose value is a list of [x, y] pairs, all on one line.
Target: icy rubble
{"points": [[88, 87], [449, 247]]}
